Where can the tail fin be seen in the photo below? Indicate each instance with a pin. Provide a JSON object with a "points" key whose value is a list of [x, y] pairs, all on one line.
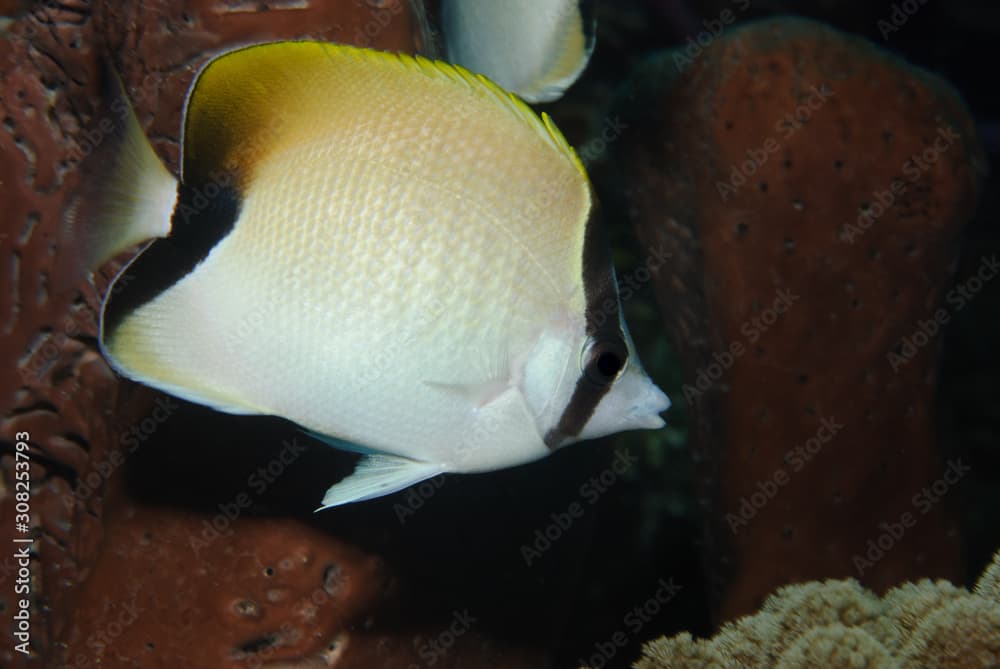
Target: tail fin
{"points": [[126, 195]]}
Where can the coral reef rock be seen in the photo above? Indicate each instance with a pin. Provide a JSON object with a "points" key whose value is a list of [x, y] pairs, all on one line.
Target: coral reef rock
{"points": [[81, 421]]}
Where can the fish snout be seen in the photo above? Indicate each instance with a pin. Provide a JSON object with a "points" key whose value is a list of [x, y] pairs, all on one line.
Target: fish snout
{"points": [[645, 413]]}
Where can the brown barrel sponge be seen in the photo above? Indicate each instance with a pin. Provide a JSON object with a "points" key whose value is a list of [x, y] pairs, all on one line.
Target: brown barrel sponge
{"points": [[812, 189]]}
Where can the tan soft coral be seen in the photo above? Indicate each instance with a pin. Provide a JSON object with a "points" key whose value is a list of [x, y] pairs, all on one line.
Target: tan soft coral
{"points": [[838, 624], [989, 585], [833, 647]]}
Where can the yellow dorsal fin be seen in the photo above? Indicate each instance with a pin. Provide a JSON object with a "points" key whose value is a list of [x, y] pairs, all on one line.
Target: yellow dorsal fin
{"points": [[484, 86], [247, 102]]}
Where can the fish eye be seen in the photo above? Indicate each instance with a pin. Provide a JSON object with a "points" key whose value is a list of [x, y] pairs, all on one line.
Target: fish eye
{"points": [[604, 361]]}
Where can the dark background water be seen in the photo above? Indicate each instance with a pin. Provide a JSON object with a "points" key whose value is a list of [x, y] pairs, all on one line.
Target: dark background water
{"points": [[649, 528], [643, 529], [569, 547]]}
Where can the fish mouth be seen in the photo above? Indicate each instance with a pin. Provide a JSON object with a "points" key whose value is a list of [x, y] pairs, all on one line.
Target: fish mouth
{"points": [[645, 421], [646, 414]]}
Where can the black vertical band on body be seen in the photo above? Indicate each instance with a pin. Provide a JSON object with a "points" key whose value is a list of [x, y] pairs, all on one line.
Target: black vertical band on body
{"points": [[203, 216]]}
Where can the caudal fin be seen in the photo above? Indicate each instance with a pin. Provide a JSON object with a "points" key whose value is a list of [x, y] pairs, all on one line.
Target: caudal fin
{"points": [[126, 195]]}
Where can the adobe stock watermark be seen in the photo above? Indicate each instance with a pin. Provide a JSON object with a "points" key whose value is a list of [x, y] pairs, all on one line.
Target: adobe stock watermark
{"points": [[910, 172], [630, 283], [594, 149], [416, 497], [633, 621], [258, 482], [89, 138], [893, 531], [752, 330], [380, 19], [695, 45], [432, 651], [129, 442], [101, 640], [899, 16], [195, 200], [589, 492], [20, 619], [326, 594], [473, 441], [30, 21], [384, 358], [77, 323], [953, 648], [956, 299], [796, 459], [786, 127], [249, 324]]}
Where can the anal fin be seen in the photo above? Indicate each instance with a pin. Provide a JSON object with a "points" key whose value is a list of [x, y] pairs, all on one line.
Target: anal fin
{"points": [[377, 475], [341, 444]]}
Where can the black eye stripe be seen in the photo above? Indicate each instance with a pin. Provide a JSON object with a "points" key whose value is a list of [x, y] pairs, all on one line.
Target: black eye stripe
{"points": [[602, 325], [603, 363], [586, 396]]}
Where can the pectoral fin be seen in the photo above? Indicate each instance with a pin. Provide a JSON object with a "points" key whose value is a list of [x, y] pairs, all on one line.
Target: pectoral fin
{"points": [[475, 394], [378, 475]]}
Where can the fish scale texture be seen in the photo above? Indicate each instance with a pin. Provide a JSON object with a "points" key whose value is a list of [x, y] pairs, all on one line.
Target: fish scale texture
{"points": [[107, 567], [422, 247]]}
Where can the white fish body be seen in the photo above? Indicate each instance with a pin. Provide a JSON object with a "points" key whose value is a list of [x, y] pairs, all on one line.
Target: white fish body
{"points": [[405, 265], [535, 48]]}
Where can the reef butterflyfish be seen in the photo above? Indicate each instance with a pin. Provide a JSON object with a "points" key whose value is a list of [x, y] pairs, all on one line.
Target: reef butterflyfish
{"points": [[534, 48], [393, 253]]}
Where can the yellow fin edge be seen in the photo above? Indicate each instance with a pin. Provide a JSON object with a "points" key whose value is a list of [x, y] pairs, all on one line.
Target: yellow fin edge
{"points": [[543, 124], [479, 84]]}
